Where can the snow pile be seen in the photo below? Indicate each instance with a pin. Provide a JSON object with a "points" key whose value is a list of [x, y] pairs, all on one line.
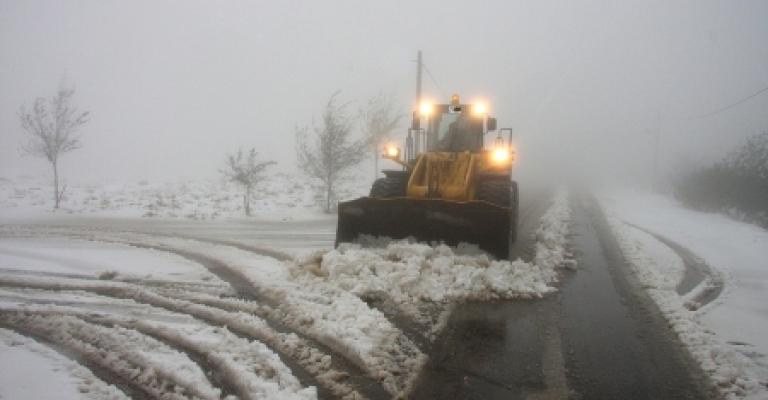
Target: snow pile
{"points": [[408, 272], [414, 271], [738, 369]]}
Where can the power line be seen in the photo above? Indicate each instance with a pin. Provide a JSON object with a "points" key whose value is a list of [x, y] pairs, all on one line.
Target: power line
{"points": [[732, 105], [432, 78]]}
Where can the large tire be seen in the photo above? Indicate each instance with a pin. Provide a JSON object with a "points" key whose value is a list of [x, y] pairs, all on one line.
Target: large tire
{"points": [[515, 205], [502, 193], [498, 192], [389, 187]]}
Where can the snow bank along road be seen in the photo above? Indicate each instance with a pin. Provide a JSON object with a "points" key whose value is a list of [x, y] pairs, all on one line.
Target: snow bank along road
{"points": [[118, 308]]}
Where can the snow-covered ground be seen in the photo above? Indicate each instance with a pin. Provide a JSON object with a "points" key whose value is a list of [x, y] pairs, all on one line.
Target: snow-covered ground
{"points": [[280, 196], [728, 334], [170, 308]]}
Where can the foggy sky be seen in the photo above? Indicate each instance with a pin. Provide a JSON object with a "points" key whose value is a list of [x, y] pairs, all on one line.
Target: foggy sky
{"points": [[175, 85]]}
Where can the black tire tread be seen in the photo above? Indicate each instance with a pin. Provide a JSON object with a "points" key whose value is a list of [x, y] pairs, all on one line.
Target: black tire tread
{"points": [[498, 192], [388, 188]]}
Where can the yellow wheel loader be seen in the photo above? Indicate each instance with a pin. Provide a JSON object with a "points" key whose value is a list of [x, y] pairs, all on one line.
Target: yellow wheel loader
{"points": [[452, 187]]}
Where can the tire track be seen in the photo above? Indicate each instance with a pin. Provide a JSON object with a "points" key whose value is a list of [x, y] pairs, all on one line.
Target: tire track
{"points": [[340, 369], [207, 361], [697, 274], [307, 363], [262, 251], [102, 366], [128, 387], [201, 357], [247, 292], [356, 369]]}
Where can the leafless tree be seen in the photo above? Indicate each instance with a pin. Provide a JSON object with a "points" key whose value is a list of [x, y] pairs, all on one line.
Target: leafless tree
{"points": [[52, 125], [379, 119], [331, 152], [246, 170]]}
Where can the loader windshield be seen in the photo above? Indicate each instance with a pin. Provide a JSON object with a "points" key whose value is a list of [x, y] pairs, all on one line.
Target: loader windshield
{"points": [[457, 132]]}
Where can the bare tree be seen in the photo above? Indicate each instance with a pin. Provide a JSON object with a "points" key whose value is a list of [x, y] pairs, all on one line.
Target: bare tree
{"points": [[379, 119], [246, 171], [52, 125], [331, 153]]}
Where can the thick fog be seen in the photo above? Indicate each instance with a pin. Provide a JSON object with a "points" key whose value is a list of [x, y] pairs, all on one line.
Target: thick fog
{"points": [[588, 86]]}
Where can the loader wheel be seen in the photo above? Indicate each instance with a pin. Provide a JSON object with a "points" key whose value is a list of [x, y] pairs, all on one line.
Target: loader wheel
{"points": [[388, 188], [504, 194], [496, 192], [515, 205]]}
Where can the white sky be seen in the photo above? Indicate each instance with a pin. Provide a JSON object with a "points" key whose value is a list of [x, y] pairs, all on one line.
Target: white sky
{"points": [[175, 85]]}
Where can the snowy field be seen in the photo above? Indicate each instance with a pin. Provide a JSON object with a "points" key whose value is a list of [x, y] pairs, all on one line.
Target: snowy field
{"points": [[721, 312], [280, 196], [173, 316]]}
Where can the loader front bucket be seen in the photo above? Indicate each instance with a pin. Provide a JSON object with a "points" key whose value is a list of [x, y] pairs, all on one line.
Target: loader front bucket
{"points": [[428, 220]]}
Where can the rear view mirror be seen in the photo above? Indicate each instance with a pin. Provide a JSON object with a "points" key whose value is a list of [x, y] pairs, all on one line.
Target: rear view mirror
{"points": [[491, 124]]}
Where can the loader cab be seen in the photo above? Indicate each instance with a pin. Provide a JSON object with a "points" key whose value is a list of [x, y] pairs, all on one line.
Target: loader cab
{"points": [[445, 128], [454, 130]]}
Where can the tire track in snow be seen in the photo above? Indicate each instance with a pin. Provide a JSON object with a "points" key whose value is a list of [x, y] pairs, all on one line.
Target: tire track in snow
{"points": [[391, 363], [126, 386], [202, 358], [399, 319], [262, 251], [96, 365], [193, 352], [380, 301], [248, 292], [305, 362], [697, 274], [340, 369], [186, 285]]}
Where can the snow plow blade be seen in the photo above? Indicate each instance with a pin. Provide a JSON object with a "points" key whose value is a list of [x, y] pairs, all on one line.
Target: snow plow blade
{"points": [[428, 220]]}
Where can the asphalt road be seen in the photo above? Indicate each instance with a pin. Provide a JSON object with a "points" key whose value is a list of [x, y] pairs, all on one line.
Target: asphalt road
{"points": [[598, 337]]}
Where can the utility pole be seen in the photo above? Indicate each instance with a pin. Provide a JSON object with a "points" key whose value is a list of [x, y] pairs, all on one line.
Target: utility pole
{"points": [[415, 126], [419, 67]]}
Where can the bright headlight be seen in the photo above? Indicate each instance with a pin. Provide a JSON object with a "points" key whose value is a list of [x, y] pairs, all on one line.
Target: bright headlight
{"points": [[479, 109], [500, 155], [425, 108], [392, 151]]}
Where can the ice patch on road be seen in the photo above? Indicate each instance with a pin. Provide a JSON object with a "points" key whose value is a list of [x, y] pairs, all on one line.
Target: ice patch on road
{"points": [[408, 271]]}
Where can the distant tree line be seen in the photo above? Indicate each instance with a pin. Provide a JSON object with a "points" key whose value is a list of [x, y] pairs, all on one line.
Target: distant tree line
{"points": [[737, 185]]}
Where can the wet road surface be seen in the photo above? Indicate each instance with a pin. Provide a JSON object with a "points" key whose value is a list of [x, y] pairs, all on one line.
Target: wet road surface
{"points": [[598, 337]]}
